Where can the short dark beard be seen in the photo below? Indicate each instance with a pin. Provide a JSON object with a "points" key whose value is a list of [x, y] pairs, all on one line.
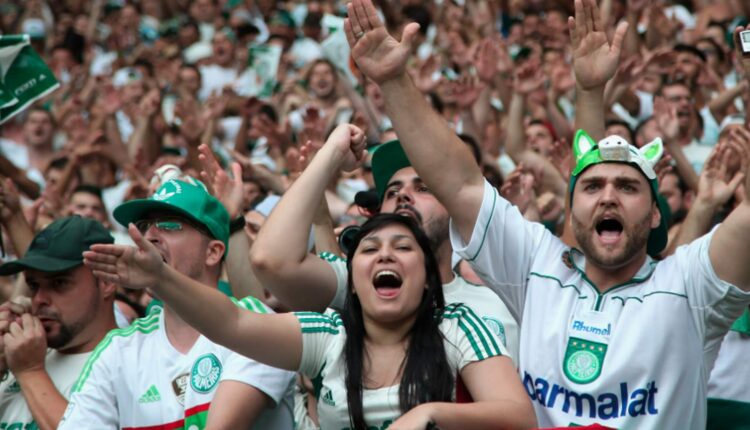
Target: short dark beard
{"points": [[636, 242], [437, 232], [64, 337]]}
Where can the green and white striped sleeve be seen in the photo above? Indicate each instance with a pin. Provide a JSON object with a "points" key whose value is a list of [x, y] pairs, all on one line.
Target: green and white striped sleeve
{"points": [[469, 339], [338, 265], [320, 332], [252, 304]]}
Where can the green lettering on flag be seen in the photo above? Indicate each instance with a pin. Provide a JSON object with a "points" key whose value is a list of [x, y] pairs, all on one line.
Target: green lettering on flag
{"points": [[24, 77]]}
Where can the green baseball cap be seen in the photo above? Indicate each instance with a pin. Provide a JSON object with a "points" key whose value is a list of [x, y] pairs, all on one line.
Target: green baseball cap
{"points": [[387, 159], [188, 199], [60, 246], [615, 149]]}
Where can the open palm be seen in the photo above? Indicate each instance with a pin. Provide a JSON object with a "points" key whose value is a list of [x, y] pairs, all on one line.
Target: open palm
{"points": [[595, 59], [378, 54], [135, 267]]}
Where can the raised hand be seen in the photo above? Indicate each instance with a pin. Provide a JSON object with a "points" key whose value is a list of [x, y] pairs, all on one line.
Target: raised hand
{"points": [[666, 118], [466, 91], [595, 58], [486, 59], [136, 267], [349, 142], [378, 55], [528, 78], [715, 187], [744, 61], [518, 188], [424, 75], [227, 190]]}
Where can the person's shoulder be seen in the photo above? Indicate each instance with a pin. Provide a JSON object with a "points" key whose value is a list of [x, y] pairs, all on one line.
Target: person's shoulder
{"points": [[313, 322], [460, 321], [137, 329]]}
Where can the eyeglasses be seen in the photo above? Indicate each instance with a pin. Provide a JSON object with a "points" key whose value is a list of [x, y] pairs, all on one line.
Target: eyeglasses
{"points": [[166, 224]]}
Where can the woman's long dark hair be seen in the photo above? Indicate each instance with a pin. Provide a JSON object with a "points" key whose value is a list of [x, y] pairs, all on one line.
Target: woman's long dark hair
{"points": [[426, 376]]}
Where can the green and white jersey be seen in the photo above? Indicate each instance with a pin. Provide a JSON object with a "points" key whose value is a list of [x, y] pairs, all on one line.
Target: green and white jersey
{"points": [[729, 384], [467, 339], [63, 370], [135, 379], [635, 357], [482, 300]]}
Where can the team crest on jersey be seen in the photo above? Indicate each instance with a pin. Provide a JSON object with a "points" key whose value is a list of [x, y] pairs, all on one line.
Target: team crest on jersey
{"points": [[205, 374], [497, 327], [583, 360]]}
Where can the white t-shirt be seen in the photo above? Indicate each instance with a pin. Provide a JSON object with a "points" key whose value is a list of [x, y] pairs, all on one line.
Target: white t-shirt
{"points": [[467, 340], [636, 356], [63, 370], [482, 300], [136, 379], [729, 385]]}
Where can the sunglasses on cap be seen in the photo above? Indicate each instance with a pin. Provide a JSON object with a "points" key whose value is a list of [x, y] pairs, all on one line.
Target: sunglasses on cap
{"points": [[167, 224]]}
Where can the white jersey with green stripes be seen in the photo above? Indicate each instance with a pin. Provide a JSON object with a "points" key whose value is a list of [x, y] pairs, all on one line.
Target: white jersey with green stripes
{"points": [[467, 339], [729, 384], [482, 300], [63, 370], [635, 357], [135, 379]]}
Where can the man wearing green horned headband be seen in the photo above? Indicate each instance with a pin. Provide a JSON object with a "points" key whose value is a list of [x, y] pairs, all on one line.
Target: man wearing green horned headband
{"points": [[608, 334]]}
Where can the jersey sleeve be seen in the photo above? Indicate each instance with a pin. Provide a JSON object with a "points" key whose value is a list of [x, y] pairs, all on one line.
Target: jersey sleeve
{"points": [[270, 380], [319, 333], [93, 399], [338, 265], [467, 337], [502, 248], [715, 304]]}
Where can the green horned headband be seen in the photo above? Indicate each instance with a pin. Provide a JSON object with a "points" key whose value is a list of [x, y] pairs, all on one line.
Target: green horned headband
{"points": [[615, 149]]}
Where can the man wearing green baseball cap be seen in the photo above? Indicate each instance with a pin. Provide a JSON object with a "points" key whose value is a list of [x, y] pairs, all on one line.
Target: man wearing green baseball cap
{"points": [[45, 347], [609, 334], [188, 379]]}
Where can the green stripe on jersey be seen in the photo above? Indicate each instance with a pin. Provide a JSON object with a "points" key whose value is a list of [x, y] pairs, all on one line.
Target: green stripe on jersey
{"points": [[251, 303], [142, 325], [330, 257], [474, 329], [312, 322]]}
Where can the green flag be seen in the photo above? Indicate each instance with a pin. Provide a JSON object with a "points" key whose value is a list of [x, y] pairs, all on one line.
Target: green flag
{"points": [[24, 78], [264, 60]]}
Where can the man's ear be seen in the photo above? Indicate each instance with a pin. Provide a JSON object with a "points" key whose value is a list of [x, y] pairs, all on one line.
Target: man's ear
{"points": [[107, 289], [655, 215], [214, 252]]}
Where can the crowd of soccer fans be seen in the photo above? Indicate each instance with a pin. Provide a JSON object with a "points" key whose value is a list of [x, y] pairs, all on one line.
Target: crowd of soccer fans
{"points": [[197, 228]]}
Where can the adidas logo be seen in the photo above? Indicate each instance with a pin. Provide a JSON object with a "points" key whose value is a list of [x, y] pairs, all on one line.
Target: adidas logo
{"points": [[13, 388], [151, 395], [328, 398]]}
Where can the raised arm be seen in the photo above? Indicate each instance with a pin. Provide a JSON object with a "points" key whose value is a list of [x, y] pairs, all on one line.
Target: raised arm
{"points": [[279, 255], [595, 61], [730, 245], [272, 339], [432, 147]]}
